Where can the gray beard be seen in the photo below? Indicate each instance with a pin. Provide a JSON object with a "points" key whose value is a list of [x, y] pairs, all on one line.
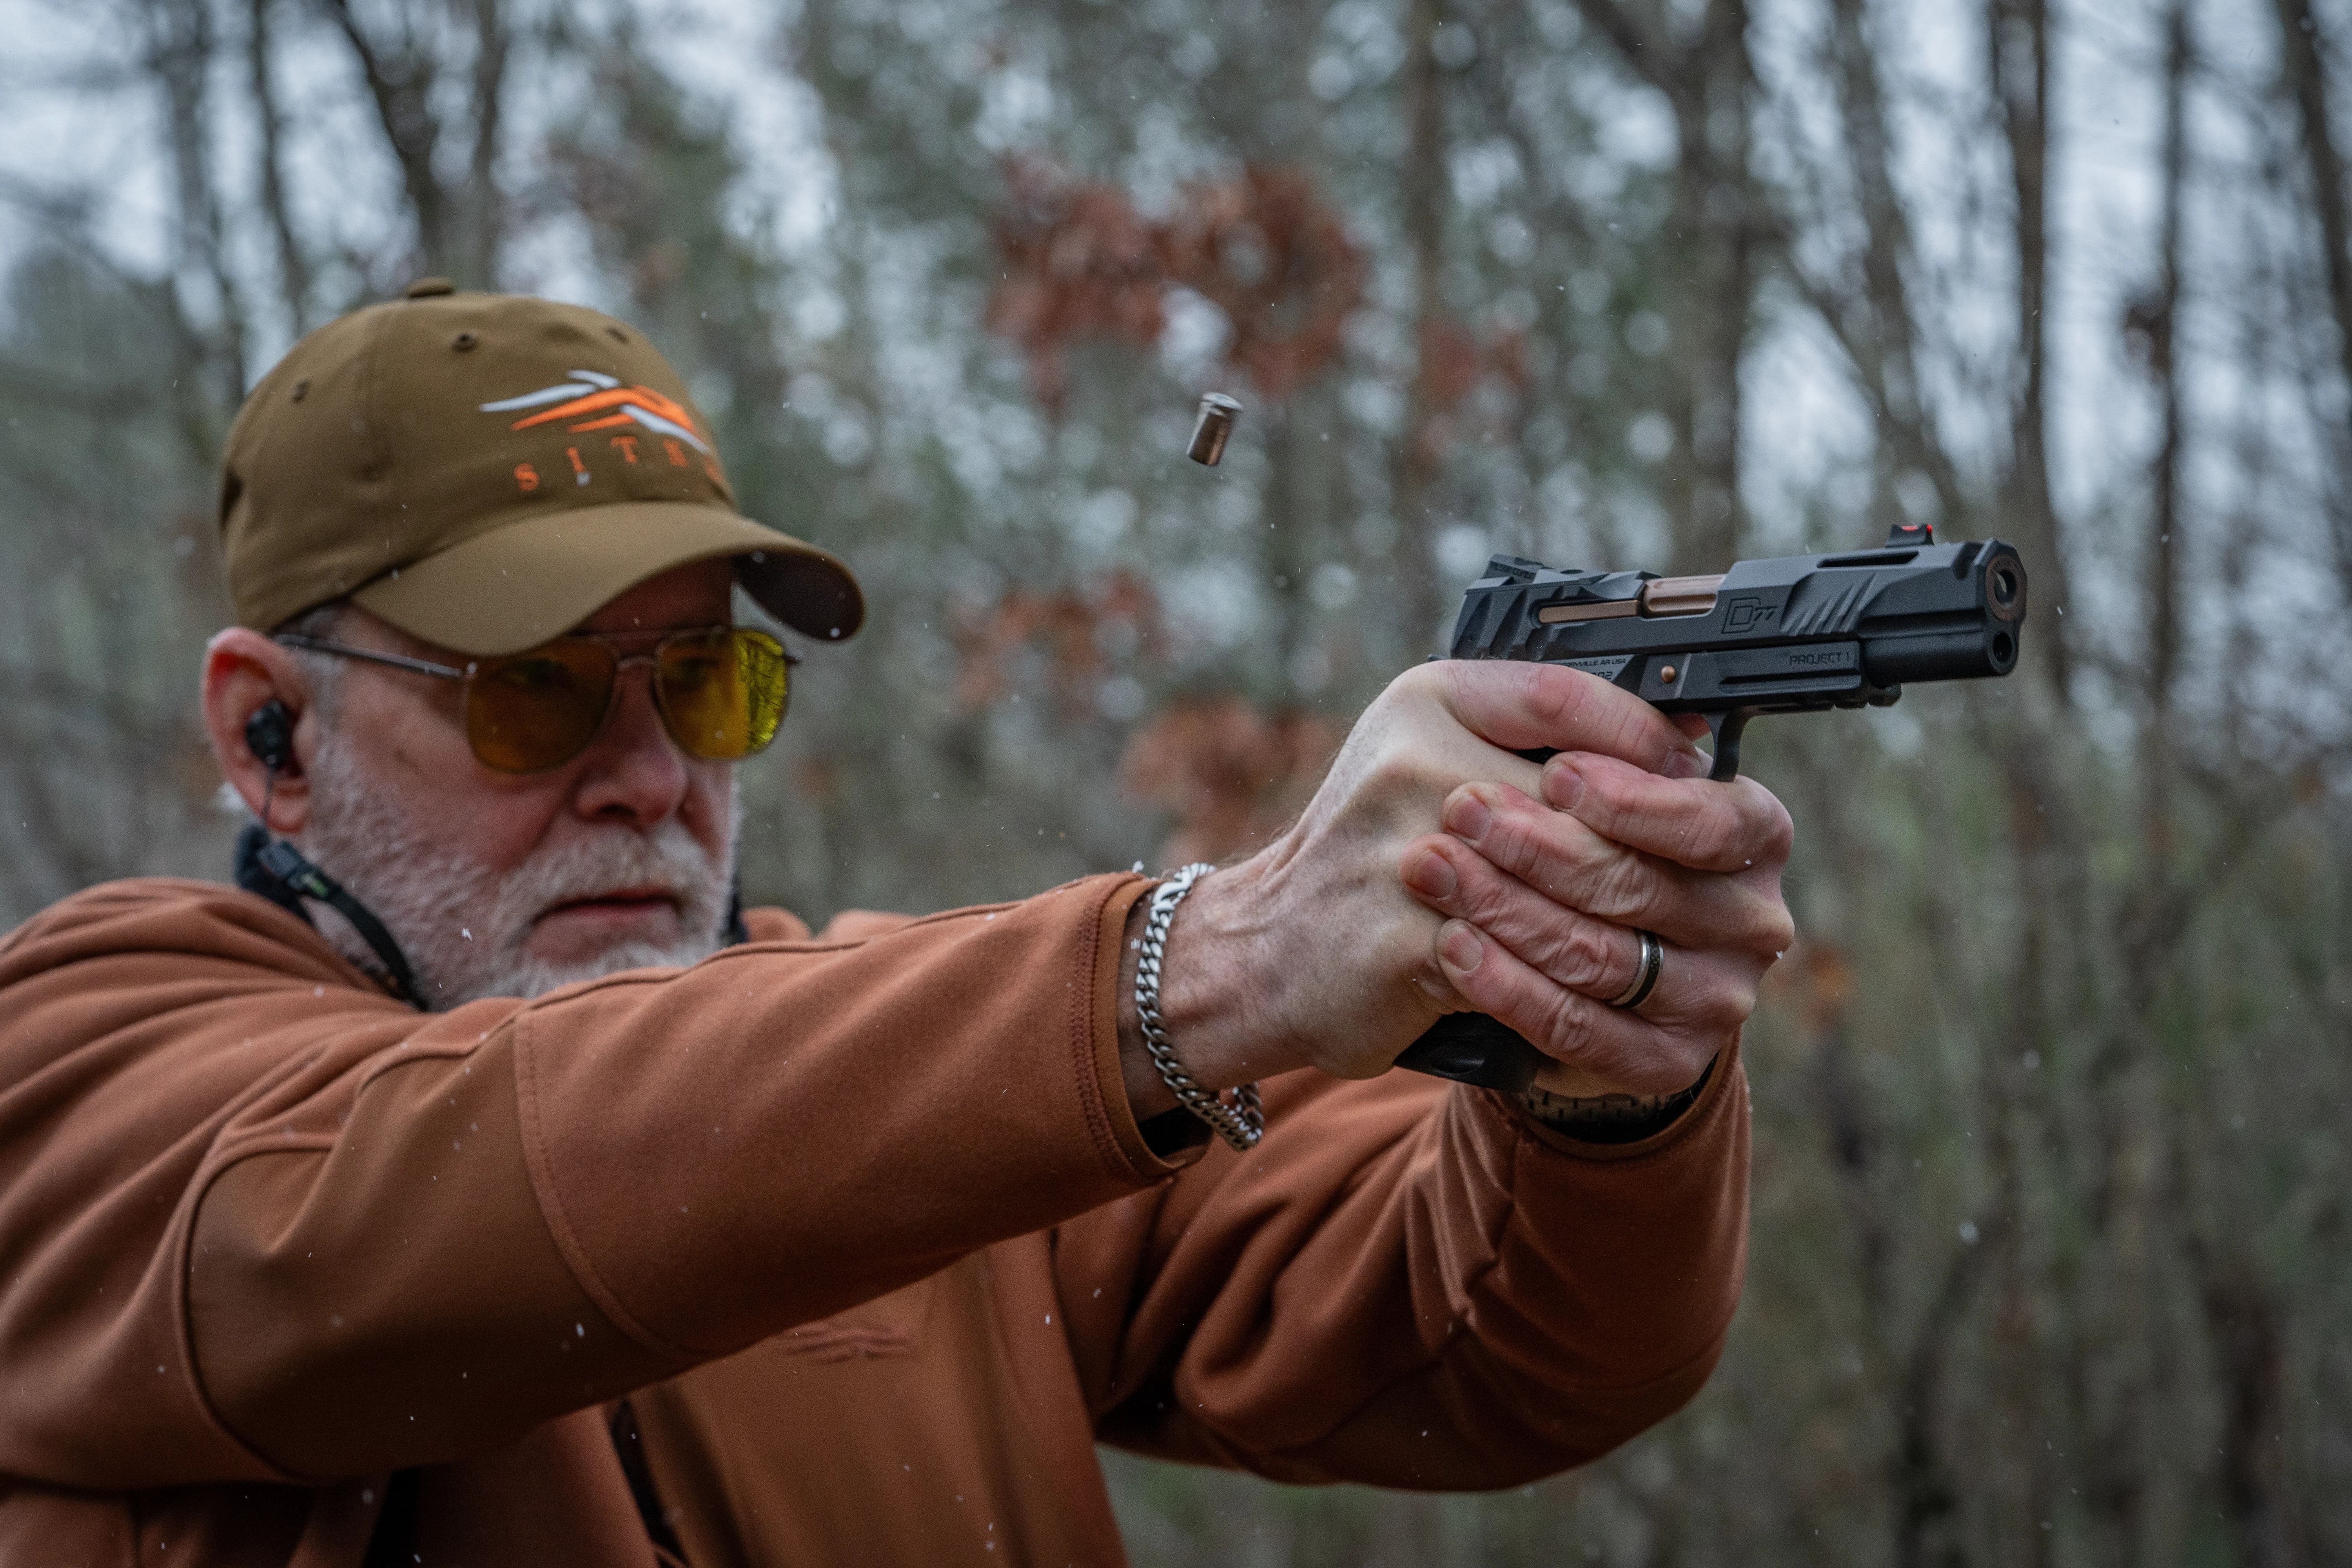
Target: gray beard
{"points": [[462, 925]]}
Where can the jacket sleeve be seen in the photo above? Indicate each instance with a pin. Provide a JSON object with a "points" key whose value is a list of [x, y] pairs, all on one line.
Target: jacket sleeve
{"points": [[1407, 1283], [256, 1221]]}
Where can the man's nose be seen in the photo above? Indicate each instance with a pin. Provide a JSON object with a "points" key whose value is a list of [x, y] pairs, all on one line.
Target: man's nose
{"points": [[632, 772]]}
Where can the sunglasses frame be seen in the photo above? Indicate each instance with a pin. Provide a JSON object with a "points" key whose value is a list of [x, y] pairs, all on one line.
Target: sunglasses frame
{"points": [[651, 658]]}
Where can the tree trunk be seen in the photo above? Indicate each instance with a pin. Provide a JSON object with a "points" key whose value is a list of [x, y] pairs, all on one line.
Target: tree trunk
{"points": [[293, 267], [179, 56], [1419, 450], [485, 215], [1713, 198], [2305, 67], [2018, 51]]}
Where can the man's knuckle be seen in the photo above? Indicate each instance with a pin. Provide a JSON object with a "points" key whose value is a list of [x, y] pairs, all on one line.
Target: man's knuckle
{"points": [[1575, 952], [1761, 927], [1591, 952], [1567, 1025], [1392, 774], [1621, 886], [1765, 831], [1553, 693], [1716, 1006], [1727, 1011]]}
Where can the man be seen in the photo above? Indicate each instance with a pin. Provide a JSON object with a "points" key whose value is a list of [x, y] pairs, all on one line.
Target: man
{"points": [[467, 1188]]}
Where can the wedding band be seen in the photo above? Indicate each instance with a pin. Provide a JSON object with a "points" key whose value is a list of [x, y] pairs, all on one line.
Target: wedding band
{"points": [[1645, 973]]}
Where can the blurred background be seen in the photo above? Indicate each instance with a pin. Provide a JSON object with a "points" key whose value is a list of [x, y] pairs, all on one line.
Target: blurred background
{"points": [[2050, 1169]]}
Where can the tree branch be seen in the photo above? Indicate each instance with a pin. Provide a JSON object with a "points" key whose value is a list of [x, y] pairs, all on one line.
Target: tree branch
{"points": [[1652, 58], [400, 90]]}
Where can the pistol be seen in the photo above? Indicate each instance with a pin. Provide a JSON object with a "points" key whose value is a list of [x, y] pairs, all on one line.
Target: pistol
{"points": [[1796, 634]]}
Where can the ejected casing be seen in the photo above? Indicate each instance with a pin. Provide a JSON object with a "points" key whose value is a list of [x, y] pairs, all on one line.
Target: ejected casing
{"points": [[1218, 413]]}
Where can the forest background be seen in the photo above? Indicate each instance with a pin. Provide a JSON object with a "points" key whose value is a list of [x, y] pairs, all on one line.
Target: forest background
{"points": [[2050, 1169]]}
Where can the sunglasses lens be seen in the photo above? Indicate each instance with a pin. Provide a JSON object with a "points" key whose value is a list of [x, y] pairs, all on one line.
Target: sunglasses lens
{"points": [[538, 710], [724, 694]]}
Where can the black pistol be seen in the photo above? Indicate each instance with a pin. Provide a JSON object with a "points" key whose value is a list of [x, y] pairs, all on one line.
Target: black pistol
{"points": [[1797, 633]]}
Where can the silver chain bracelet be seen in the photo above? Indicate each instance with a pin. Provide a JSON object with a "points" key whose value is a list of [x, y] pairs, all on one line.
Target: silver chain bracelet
{"points": [[1240, 1124]]}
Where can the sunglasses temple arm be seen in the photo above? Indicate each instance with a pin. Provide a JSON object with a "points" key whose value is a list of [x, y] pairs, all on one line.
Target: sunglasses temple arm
{"points": [[396, 660]]}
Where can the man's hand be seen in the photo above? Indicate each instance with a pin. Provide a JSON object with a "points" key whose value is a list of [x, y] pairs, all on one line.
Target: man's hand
{"points": [[1610, 849], [1341, 941]]}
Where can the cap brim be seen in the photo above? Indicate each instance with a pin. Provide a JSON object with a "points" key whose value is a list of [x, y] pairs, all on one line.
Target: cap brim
{"points": [[521, 585]]}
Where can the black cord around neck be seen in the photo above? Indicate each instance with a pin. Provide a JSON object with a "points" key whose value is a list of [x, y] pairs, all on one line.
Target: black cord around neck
{"points": [[273, 869]]}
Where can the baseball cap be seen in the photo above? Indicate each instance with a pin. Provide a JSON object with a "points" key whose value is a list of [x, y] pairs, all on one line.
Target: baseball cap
{"points": [[486, 471]]}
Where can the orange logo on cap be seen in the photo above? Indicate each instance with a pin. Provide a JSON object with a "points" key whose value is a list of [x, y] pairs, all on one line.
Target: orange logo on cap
{"points": [[600, 403]]}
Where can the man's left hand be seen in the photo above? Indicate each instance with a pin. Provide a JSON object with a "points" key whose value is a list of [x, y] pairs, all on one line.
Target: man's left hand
{"points": [[1547, 895]]}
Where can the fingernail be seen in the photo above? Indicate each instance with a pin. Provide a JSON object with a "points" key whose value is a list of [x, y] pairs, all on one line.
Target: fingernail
{"points": [[1431, 876], [1687, 765], [1462, 947], [1563, 786], [1467, 819]]}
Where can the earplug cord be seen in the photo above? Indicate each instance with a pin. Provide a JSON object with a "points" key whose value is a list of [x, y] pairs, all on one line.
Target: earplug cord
{"points": [[269, 736]]}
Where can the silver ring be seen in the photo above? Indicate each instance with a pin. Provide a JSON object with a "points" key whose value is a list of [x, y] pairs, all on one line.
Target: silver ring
{"points": [[1645, 973]]}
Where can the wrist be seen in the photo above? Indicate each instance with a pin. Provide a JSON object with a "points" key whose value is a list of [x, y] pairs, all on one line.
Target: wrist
{"points": [[1609, 1117], [1207, 997]]}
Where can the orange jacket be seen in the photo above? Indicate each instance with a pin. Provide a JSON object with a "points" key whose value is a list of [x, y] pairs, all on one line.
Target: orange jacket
{"points": [[863, 1227]]}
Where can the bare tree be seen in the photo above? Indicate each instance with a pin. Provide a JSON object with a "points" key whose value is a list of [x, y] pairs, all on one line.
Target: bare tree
{"points": [[1709, 79], [1419, 454], [269, 123], [179, 54], [2305, 72], [2017, 51], [458, 222]]}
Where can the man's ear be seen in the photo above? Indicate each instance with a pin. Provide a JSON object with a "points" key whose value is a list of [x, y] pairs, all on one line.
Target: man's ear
{"points": [[244, 672]]}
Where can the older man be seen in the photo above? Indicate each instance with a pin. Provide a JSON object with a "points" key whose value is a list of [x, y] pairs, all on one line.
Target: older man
{"points": [[472, 1185]]}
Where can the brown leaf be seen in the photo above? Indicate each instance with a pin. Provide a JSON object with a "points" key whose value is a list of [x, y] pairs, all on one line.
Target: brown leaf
{"points": [[1081, 263], [1278, 261]]}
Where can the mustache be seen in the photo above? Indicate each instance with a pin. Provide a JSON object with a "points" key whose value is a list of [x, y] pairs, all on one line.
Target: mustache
{"points": [[667, 861]]}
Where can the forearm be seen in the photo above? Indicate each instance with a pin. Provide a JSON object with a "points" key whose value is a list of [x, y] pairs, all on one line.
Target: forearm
{"points": [[646, 1172], [1401, 1257]]}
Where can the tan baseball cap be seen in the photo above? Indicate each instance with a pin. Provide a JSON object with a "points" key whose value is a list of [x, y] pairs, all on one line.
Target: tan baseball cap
{"points": [[486, 471]]}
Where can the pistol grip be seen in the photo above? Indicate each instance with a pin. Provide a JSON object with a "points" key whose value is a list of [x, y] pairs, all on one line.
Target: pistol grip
{"points": [[1471, 1048]]}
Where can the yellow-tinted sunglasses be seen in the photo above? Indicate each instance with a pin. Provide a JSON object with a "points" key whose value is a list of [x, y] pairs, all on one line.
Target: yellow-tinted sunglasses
{"points": [[721, 691]]}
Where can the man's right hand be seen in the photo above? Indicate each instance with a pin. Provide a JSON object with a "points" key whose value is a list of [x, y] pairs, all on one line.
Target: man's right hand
{"points": [[1340, 942]]}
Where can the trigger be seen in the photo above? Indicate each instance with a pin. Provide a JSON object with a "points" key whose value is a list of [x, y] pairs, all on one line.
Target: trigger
{"points": [[1725, 726]]}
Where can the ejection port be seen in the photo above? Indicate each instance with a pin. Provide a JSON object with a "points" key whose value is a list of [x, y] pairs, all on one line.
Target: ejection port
{"points": [[1680, 595]]}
